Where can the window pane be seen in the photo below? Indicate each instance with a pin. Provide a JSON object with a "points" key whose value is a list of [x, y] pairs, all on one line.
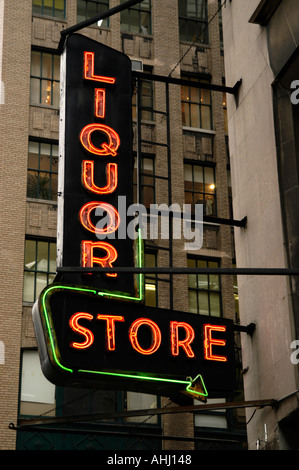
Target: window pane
{"points": [[145, 23], [214, 305], [203, 303], [139, 401], [134, 21], [194, 109], [35, 90], [193, 301], [35, 63], [37, 6], [185, 115], [33, 158], [206, 117]]}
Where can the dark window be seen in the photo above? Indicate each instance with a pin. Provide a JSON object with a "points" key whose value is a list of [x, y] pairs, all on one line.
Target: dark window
{"points": [[193, 21], [42, 170], [137, 19], [88, 8], [147, 181]]}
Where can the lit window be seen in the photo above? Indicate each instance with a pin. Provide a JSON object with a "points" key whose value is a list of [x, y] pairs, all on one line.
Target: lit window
{"points": [[44, 78], [49, 7], [40, 267], [199, 181], [87, 9], [42, 170], [137, 19], [204, 289], [193, 21], [196, 105]]}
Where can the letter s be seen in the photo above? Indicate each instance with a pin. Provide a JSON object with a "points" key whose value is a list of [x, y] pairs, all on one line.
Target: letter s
{"points": [[295, 94], [295, 354]]}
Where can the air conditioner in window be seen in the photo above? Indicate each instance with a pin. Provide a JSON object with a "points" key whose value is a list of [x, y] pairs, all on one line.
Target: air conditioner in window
{"points": [[137, 65]]}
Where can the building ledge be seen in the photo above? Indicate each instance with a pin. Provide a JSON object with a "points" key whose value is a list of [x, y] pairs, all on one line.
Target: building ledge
{"points": [[264, 12]]}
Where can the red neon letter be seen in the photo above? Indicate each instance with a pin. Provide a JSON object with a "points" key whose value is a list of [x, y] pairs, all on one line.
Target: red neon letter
{"points": [[88, 177], [106, 149], [81, 330], [156, 336], [209, 342], [89, 70], [85, 220], [110, 335], [100, 102], [185, 343], [88, 260]]}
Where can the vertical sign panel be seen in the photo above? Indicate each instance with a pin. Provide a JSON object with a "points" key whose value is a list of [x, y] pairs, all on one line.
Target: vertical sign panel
{"points": [[96, 165]]}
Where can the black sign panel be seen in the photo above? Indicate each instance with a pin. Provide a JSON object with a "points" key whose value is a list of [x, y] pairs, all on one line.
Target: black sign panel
{"points": [[96, 164], [111, 343]]}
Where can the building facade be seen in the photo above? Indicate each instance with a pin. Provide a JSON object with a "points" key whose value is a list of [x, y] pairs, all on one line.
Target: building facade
{"points": [[180, 39], [261, 49]]}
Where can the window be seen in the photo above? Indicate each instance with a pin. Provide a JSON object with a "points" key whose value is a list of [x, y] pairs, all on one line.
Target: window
{"points": [[204, 289], [147, 100], [40, 267], [42, 170], [200, 187], [37, 393], [137, 19], [151, 284], [196, 105], [193, 21], [44, 80], [49, 7], [147, 181], [88, 8]]}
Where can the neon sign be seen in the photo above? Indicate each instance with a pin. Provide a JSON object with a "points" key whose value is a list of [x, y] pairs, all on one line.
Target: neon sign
{"points": [[96, 340], [95, 165], [93, 329]]}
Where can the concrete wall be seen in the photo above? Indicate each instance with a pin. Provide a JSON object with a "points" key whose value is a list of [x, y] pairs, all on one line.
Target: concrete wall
{"points": [[264, 300]]}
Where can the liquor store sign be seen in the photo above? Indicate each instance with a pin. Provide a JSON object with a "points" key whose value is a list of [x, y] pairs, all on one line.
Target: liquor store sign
{"points": [[94, 329], [118, 344]]}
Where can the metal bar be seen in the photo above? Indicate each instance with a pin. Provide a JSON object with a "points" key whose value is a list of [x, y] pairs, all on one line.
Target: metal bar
{"points": [[128, 434], [170, 224], [220, 271], [150, 412], [95, 19], [179, 81]]}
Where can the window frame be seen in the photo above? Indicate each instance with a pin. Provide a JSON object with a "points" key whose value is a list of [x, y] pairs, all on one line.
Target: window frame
{"points": [[40, 142], [53, 10], [197, 21], [139, 9], [52, 80], [202, 193], [207, 261], [188, 101], [99, 4], [35, 271]]}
